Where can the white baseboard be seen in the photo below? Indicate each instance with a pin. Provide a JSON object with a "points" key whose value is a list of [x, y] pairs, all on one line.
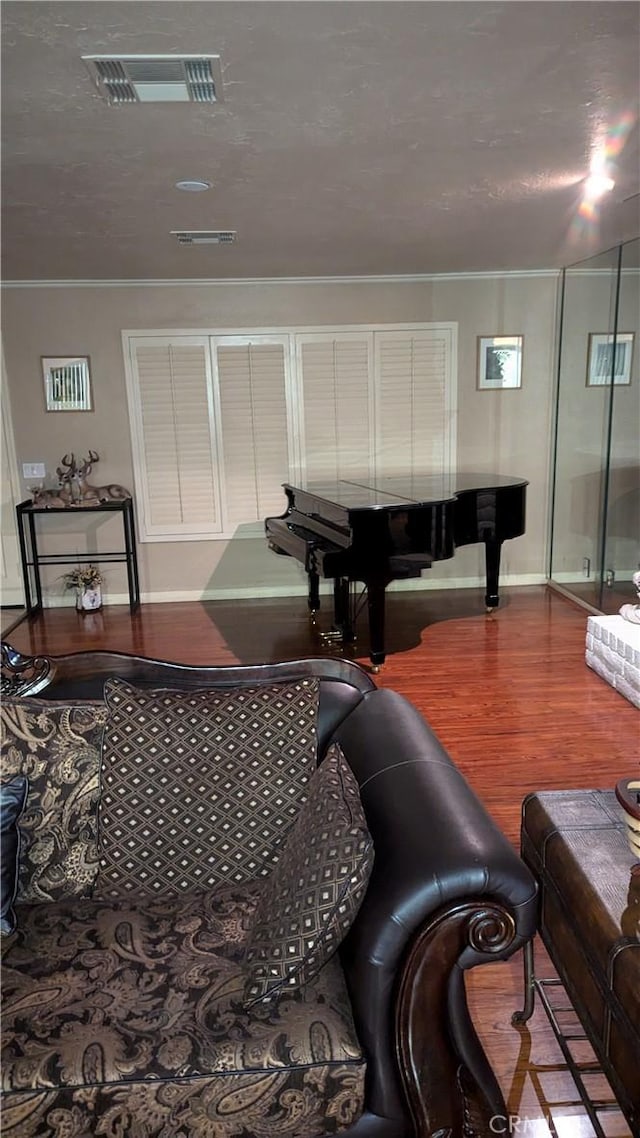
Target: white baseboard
{"points": [[576, 578], [418, 584]]}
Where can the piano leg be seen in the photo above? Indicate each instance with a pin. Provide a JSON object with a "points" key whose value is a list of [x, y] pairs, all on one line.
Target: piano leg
{"points": [[314, 592], [492, 549], [375, 603], [342, 611]]}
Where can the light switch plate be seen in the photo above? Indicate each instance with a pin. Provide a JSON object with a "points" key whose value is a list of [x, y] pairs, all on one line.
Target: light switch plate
{"points": [[33, 470]]}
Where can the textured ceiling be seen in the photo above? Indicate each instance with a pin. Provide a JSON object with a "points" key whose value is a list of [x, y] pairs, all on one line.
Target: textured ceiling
{"points": [[354, 138]]}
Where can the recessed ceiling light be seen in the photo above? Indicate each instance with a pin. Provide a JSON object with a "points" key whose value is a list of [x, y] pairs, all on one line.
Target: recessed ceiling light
{"points": [[193, 185]]}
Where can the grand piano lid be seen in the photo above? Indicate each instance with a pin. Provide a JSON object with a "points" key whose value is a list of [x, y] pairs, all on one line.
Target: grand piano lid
{"points": [[404, 490], [420, 487]]}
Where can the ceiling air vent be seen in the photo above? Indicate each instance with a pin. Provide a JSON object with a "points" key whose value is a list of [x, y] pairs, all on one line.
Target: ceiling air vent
{"points": [[157, 78], [204, 236]]}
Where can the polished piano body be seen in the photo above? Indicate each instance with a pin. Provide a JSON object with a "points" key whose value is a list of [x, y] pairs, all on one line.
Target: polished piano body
{"points": [[393, 528]]}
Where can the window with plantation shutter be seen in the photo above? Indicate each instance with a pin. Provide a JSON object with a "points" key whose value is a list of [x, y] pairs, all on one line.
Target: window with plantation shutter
{"points": [[415, 393], [254, 445], [220, 420], [335, 376], [175, 461]]}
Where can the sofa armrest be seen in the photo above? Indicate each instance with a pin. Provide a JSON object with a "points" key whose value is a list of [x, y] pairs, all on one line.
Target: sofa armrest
{"points": [[447, 887]]}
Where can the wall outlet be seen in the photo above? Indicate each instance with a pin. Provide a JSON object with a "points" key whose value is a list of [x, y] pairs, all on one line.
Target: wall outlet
{"points": [[33, 470]]}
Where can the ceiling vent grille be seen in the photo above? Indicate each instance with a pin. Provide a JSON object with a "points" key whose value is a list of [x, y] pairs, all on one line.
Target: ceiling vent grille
{"points": [[204, 236], [157, 79]]}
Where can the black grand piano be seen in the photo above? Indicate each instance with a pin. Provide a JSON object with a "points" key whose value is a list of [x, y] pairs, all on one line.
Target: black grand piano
{"points": [[394, 528]]}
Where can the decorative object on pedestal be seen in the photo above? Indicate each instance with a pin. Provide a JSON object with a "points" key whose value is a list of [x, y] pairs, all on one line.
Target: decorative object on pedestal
{"points": [[73, 488], [87, 581], [88, 495], [632, 612]]}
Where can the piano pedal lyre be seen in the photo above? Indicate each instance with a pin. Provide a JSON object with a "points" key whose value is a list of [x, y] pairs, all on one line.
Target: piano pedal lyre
{"points": [[347, 608]]}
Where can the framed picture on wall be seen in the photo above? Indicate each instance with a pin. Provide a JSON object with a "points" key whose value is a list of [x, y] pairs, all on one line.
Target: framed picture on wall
{"points": [[67, 383], [499, 362], [602, 364]]}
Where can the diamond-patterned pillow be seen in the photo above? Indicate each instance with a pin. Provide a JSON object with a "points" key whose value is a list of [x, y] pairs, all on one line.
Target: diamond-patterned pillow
{"points": [[310, 900], [199, 787]]}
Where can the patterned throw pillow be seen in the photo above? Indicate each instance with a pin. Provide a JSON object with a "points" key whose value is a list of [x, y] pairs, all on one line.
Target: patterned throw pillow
{"points": [[56, 746], [13, 795], [200, 787], [310, 900]]}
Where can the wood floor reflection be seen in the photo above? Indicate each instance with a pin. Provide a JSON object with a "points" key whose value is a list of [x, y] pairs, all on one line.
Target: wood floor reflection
{"points": [[509, 695]]}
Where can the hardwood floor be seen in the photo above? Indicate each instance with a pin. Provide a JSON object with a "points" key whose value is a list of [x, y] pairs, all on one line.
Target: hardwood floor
{"points": [[512, 700]]}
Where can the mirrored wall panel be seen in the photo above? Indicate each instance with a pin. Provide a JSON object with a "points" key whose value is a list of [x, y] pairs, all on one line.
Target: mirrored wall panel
{"points": [[595, 541]]}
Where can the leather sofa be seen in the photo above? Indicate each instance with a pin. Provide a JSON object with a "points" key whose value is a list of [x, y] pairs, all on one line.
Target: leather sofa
{"points": [[446, 893]]}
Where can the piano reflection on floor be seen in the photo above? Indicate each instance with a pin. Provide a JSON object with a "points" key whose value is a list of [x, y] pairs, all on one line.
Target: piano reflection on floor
{"points": [[390, 529]]}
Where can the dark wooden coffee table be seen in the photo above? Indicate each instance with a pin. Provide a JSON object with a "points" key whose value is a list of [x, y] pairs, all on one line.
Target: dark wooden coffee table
{"points": [[575, 844]]}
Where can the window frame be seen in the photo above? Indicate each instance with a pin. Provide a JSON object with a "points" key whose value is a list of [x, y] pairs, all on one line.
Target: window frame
{"points": [[291, 339]]}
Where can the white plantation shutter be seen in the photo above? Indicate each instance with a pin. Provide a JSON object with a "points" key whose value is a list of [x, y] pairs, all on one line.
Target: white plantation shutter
{"points": [[254, 437], [220, 421], [414, 402], [174, 444], [335, 373]]}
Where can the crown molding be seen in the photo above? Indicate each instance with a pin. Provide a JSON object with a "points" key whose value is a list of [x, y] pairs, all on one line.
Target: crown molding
{"points": [[218, 282]]}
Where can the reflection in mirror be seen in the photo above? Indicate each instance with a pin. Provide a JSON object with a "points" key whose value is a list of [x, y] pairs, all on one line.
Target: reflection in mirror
{"points": [[595, 544]]}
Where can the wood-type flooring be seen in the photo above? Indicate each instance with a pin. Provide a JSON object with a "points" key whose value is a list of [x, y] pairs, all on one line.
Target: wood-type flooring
{"points": [[511, 698]]}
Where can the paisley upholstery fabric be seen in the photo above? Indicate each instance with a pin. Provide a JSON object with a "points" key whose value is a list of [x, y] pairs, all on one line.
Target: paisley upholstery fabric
{"points": [[13, 795], [127, 1021], [57, 747], [198, 787], [310, 901]]}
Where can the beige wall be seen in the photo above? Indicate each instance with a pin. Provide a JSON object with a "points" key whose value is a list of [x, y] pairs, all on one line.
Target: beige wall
{"points": [[506, 432]]}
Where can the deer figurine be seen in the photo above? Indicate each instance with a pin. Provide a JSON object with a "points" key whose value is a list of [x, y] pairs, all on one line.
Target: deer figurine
{"points": [[89, 495], [68, 479], [50, 498], [65, 494]]}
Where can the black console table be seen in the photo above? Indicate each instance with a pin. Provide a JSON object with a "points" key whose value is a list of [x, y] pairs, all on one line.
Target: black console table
{"points": [[32, 559]]}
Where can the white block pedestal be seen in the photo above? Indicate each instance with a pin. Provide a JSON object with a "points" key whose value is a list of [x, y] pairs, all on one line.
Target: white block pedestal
{"points": [[613, 651]]}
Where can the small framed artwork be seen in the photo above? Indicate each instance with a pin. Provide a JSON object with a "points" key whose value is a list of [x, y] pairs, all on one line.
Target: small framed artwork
{"points": [[603, 365], [67, 383], [499, 362]]}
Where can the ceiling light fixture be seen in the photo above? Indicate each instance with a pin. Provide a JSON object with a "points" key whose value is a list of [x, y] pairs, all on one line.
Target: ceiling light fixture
{"points": [[193, 185], [156, 78], [596, 185]]}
